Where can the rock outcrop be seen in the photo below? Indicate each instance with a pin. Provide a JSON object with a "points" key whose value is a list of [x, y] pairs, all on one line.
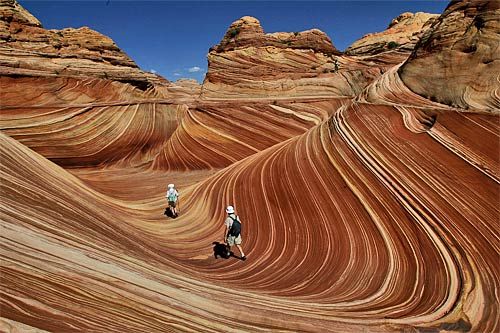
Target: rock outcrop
{"points": [[457, 61], [183, 88], [402, 34], [247, 32], [86, 122], [251, 64], [27, 49]]}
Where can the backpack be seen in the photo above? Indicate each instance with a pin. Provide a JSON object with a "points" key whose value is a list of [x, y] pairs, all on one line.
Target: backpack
{"points": [[235, 227], [172, 195]]}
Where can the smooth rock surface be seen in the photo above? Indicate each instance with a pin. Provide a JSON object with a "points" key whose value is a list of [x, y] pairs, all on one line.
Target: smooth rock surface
{"points": [[402, 33], [366, 206], [457, 61]]}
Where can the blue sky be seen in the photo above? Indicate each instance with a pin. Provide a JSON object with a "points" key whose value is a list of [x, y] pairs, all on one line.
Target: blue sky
{"points": [[173, 37]]}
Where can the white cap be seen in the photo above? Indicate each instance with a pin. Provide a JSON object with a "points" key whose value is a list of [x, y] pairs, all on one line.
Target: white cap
{"points": [[170, 186], [229, 209]]}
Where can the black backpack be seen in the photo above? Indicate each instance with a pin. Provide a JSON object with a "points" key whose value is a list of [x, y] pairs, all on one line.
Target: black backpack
{"points": [[235, 227]]}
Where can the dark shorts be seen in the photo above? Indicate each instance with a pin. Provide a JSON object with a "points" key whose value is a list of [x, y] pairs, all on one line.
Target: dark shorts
{"points": [[172, 204]]}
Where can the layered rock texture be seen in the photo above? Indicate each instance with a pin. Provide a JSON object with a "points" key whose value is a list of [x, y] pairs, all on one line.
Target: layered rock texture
{"points": [[27, 49], [366, 205], [457, 61], [402, 34], [248, 63]]}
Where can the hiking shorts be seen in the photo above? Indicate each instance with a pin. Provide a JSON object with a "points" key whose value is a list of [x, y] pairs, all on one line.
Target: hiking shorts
{"points": [[232, 240], [172, 204]]}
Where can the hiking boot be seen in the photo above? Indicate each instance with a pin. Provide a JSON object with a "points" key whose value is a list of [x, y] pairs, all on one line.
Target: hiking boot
{"points": [[244, 258]]}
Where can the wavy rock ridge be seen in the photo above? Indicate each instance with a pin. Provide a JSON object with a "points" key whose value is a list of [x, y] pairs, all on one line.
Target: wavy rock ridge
{"points": [[366, 206]]}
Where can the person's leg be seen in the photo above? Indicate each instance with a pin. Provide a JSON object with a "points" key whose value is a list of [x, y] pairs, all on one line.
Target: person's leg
{"points": [[172, 205], [237, 241], [241, 250], [229, 243]]}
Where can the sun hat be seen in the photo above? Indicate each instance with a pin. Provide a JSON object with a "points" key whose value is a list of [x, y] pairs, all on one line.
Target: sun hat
{"points": [[230, 209]]}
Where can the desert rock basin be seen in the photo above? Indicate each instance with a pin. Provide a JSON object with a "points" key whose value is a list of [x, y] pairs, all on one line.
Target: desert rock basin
{"points": [[367, 181]]}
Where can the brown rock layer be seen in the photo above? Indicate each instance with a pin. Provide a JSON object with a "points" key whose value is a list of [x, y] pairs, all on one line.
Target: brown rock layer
{"points": [[78, 123], [247, 32]]}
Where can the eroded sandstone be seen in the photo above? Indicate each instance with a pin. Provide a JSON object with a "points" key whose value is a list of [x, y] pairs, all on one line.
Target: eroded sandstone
{"points": [[366, 205]]}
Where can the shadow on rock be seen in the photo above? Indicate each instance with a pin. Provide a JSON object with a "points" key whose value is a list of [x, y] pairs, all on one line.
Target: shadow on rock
{"points": [[220, 250], [169, 213]]}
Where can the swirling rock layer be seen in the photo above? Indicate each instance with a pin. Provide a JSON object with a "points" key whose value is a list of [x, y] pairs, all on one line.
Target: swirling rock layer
{"points": [[365, 206], [250, 64]]}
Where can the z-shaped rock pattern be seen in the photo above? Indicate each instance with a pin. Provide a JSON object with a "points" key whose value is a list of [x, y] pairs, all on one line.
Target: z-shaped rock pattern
{"points": [[374, 211]]}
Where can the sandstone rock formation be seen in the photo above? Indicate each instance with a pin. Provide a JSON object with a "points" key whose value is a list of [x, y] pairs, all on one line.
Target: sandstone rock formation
{"points": [[365, 208], [250, 64], [183, 88], [86, 122], [457, 61], [247, 32], [402, 35], [27, 49]]}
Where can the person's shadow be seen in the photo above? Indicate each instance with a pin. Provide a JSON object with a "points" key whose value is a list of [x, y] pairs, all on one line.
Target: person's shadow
{"points": [[169, 213], [220, 250]]}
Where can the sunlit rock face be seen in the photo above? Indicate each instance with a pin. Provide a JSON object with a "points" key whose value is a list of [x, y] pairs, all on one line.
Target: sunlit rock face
{"points": [[402, 34], [457, 61], [218, 134], [27, 49], [247, 32], [248, 63], [75, 97], [366, 206], [184, 87]]}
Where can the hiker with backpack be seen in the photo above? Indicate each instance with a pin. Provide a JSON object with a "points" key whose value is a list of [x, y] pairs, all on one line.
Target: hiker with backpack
{"points": [[172, 198], [232, 235]]}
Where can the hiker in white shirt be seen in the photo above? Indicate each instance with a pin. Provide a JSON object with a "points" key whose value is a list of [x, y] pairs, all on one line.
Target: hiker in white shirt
{"points": [[232, 234], [172, 198]]}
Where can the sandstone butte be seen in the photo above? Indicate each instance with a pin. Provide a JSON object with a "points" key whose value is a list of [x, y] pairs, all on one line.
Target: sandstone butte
{"points": [[367, 181]]}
